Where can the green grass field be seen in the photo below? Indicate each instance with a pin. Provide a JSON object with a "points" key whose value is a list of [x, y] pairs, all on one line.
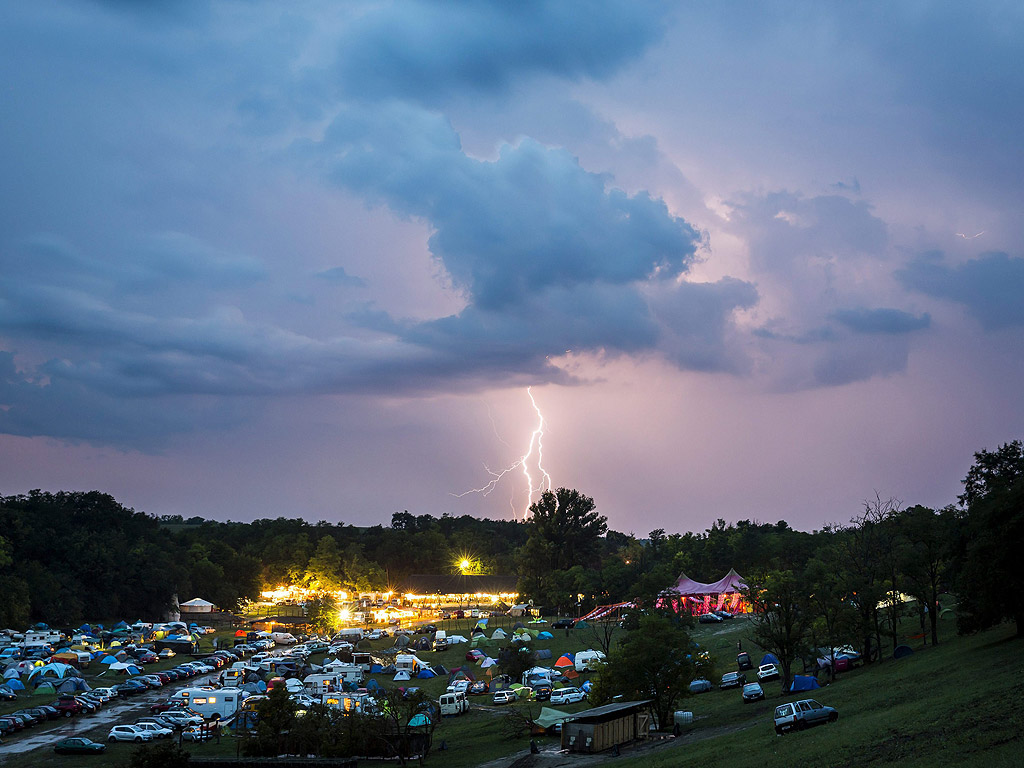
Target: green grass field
{"points": [[956, 704]]}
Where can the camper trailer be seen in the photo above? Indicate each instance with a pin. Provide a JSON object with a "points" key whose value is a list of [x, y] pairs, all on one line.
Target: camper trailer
{"points": [[210, 702], [41, 637], [453, 703], [588, 661], [408, 662], [349, 673]]}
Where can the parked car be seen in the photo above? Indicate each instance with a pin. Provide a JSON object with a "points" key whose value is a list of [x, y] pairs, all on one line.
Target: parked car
{"points": [[542, 692], [732, 680], [478, 688], [709, 618], [752, 692], [131, 688], [567, 696], [798, 715], [564, 624], [196, 733], [767, 672], [475, 655], [503, 697], [157, 731], [743, 661], [700, 686], [181, 718], [79, 745], [67, 706], [459, 686], [6, 694], [128, 733], [167, 653], [6, 726], [723, 614]]}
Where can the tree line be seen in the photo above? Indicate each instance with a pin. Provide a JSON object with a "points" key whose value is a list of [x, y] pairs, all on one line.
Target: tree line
{"points": [[72, 556]]}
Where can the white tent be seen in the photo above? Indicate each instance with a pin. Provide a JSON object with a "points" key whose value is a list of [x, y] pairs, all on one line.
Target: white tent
{"points": [[402, 674], [487, 662], [499, 634], [454, 639], [197, 605]]}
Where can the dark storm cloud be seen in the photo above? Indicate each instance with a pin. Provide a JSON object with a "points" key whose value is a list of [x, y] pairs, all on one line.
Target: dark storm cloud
{"points": [[424, 51], [881, 321], [532, 218], [990, 286]]}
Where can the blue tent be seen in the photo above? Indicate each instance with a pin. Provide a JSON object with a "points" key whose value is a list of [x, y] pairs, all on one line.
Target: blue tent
{"points": [[902, 651], [545, 636], [544, 653], [108, 660], [14, 684], [85, 628], [371, 685], [769, 658], [375, 668], [804, 683], [587, 685], [425, 674]]}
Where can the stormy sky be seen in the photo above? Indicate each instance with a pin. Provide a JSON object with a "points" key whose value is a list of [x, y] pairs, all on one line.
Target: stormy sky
{"points": [[304, 259]]}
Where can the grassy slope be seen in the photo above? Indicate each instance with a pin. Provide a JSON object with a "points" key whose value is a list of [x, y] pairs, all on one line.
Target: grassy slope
{"points": [[957, 704]]}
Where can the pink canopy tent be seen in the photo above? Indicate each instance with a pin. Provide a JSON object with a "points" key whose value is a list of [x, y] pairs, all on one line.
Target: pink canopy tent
{"points": [[695, 597]]}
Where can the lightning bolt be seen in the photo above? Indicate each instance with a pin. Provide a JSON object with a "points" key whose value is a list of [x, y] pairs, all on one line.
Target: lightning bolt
{"points": [[536, 443]]}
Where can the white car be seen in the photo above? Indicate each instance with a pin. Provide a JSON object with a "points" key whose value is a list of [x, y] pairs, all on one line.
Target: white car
{"points": [[767, 672], [104, 694], [196, 733], [181, 718], [167, 653], [567, 696], [503, 697], [129, 733], [157, 731], [459, 686]]}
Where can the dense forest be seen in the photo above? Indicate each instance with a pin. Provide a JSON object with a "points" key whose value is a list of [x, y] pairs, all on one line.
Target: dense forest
{"points": [[70, 556]]}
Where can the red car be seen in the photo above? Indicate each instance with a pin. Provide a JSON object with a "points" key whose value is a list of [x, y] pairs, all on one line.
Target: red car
{"points": [[475, 655], [67, 706]]}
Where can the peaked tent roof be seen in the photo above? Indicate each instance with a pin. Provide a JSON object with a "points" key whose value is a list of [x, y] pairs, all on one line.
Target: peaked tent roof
{"points": [[732, 582], [198, 602]]}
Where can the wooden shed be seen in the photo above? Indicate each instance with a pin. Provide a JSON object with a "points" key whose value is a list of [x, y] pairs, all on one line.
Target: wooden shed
{"points": [[595, 730]]}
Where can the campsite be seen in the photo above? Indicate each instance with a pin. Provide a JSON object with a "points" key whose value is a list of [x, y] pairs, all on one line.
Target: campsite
{"points": [[888, 709]]}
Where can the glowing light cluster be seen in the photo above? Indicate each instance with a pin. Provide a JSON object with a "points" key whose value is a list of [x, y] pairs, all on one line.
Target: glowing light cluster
{"points": [[523, 462]]}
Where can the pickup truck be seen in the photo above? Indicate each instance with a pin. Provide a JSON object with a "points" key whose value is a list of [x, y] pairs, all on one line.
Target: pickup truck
{"points": [[797, 715]]}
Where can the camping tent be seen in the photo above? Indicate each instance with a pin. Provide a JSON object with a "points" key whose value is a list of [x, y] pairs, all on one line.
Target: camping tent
{"points": [[47, 688], [402, 674], [14, 684], [425, 674], [548, 718], [12, 672], [902, 651], [769, 658], [544, 653], [71, 685], [498, 634], [487, 663], [695, 597], [456, 639], [804, 683], [565, 660], [56, 669], [545, 636]]}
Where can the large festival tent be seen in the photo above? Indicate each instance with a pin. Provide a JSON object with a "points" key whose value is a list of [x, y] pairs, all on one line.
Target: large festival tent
{"points": [[695, 597]]}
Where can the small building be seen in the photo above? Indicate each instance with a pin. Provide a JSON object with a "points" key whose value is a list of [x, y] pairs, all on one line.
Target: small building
{"points": [[197, 605], [601, 728]]}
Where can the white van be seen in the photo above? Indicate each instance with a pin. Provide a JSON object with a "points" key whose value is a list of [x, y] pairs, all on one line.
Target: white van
{"points": [[283, 638], [233, 677], [567, 695], [351, 634], [349, 673], [453, 703]]}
